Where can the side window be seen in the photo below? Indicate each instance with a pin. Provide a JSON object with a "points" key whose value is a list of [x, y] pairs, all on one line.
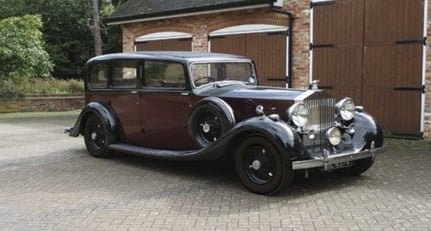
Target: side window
{"points": [[164, 75], [99, 76], [124, 74]]}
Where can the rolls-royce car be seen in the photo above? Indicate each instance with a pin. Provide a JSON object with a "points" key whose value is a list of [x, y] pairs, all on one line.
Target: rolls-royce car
{"points": [[199, 106]]}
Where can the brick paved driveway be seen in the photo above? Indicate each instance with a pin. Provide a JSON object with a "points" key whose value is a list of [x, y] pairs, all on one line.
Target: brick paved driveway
{"points": [[49, 182]]}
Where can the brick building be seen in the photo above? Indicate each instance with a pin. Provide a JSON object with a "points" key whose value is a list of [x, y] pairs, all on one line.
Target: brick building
{"points": [[372, 50]]}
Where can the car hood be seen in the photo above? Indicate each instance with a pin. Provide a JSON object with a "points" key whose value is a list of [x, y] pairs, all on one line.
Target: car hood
{"points": [[248, 92]]}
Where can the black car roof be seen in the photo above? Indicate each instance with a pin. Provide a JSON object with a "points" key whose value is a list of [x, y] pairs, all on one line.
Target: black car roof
{"points": [[168, 55]]}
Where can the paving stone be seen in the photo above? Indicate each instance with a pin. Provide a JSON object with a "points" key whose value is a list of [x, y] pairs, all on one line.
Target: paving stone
{"points": [[49, 182]]}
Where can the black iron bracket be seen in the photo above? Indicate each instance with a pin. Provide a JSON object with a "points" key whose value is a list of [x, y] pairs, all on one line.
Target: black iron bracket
{"points": [[312, 46], [422, 41], [421, 89]]}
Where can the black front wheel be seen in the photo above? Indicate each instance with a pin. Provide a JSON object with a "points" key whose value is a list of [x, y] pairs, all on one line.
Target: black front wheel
{"points": [[260, 166], [97, 137]]}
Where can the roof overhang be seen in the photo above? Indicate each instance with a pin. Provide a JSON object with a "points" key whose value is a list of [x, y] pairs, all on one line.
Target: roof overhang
{"points": [[179, 14]]}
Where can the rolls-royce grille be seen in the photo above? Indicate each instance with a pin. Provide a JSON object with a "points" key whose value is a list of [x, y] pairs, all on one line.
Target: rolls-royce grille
{"points": [[321, 118]]}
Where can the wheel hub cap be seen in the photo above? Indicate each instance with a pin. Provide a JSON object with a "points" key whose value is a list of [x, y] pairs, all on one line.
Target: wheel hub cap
{"points": [[256, 165], [206, 127], [93, 136]]}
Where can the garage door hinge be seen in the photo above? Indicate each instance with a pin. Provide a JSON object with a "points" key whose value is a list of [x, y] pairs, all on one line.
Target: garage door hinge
{"points": [[422, 41], [312, 46], [421, 89]]}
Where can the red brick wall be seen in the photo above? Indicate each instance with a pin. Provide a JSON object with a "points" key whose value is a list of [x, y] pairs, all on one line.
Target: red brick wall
{"points": [[45, 103], [200, 26], [301, 41]]}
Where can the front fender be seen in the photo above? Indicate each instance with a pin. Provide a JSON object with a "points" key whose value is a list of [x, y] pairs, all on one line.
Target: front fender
{"points": [[104, 112], [367, 130], [276, 131]]}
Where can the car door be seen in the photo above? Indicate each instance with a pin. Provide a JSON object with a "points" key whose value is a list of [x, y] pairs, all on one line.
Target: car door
{"points": [[165, 103], [124, 99]]}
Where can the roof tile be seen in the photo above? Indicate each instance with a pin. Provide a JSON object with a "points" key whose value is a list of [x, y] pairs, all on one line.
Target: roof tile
{"points": [[136, 9]]}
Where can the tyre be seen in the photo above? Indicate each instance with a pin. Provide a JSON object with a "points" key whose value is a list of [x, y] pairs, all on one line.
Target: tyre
{"points": [[209, 120], [97, 137], [260, 166], [358, 167]]}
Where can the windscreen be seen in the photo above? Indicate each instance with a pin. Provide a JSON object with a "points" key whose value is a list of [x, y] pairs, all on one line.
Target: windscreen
{"points": [[204, 73]]}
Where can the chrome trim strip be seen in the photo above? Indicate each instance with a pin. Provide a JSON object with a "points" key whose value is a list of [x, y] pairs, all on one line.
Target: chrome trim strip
{"points": [[327, 160], [305, 95]]}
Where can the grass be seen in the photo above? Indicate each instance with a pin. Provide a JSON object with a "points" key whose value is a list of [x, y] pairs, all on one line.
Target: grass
{"points": [[18, 88], [52, 87]]}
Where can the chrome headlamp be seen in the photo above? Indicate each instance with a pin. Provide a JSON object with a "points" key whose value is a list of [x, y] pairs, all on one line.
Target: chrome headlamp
{"points": [[298, 114], [333, 136], [346, 109]]}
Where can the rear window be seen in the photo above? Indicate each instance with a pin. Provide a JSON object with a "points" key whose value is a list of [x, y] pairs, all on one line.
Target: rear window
{"points": [[123, 75], [99, 76]]}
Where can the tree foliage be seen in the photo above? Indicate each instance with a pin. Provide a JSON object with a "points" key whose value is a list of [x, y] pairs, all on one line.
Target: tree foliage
{"points": [[66, 32], [22, 53]]}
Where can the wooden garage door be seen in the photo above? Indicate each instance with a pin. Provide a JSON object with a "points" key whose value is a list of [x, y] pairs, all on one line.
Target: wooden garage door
{"points": [[267, 49], [371, 50], [165, 45]]}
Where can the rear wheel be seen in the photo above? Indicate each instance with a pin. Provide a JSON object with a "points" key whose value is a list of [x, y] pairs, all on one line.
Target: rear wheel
{"points": [[260, 166], [97, 137]]}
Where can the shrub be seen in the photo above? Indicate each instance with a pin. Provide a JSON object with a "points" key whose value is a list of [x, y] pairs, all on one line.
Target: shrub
{"points": [[9, 89], [22, 50], [53, 86], [39, 86]]}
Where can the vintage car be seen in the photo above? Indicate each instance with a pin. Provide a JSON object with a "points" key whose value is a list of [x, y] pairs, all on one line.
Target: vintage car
{"points": [[207, 106]]}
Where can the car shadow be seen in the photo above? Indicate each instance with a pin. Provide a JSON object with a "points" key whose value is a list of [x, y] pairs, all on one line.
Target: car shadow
{"points": [[221, 173]]}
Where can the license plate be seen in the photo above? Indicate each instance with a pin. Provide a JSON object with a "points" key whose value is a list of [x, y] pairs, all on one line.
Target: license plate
{"points": [[341, 165]]}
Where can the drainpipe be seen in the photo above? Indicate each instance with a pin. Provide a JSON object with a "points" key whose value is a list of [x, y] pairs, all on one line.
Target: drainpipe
{"points": [[290, 35]]}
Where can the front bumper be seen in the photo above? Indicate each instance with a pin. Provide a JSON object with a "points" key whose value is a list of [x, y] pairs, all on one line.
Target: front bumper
{"points": [[327, 161]]}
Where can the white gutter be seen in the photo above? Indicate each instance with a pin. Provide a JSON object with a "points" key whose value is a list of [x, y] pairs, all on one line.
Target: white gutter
{"points": [[310, 71], [187, 14], [424, 62]]}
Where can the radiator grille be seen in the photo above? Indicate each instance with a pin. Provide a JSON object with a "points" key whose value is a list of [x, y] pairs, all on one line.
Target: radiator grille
{"points": [[321, 118]]}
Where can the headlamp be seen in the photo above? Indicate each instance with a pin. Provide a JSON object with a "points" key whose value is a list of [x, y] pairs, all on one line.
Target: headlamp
{"points": [[346, 109], [298, 114]]}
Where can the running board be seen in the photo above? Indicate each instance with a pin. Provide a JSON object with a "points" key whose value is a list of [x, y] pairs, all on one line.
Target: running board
{"points": [[154, 153]]}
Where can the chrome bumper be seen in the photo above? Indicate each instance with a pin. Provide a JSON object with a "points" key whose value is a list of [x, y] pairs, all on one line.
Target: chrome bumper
{"points": [[327, 161]]}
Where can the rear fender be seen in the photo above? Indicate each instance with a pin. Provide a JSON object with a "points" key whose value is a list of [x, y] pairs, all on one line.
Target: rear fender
{"points": [[104, 112]]}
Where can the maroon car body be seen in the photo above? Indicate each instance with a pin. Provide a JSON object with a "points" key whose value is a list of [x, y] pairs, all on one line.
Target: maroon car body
{"points": [[204, 106]]}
